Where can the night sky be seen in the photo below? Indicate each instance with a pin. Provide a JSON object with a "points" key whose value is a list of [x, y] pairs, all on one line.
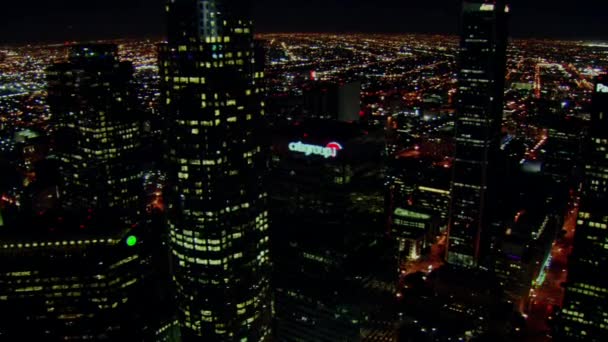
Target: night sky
{"points": [[43, 20]]}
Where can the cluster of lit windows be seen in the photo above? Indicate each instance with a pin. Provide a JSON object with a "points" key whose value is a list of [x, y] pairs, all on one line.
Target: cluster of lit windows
{"points": [[575, 316], [468, 186], [571, 315], [589, 290], [474, 81], [239, 30], [584, 216], [60, 243], [225, 39], [460, 258], [405, 223], [189, 80], [52, 288], [601, 141], [597, 225], [515, 266], [600, 172], [108, 153], [203, 239], [476, 40], [98, 138], [473, 120], [470, 142]]}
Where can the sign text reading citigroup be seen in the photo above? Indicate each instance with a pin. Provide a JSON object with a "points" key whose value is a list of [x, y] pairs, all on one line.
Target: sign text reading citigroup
{"points": [[329, 151]]}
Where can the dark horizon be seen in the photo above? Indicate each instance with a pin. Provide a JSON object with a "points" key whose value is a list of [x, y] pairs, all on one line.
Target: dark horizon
{"points": [[163, 38], [39, 21]]}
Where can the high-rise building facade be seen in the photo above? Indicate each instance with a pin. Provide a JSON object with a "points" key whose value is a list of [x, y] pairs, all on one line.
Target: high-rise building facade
{"points": [[75, 276], [96, 130], [584, 316], [85, 271], [481, 79], [327, 235], [218, 218]]}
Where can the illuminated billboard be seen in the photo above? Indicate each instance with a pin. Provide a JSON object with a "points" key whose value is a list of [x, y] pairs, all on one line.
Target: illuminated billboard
{"points": [[328, 151]]}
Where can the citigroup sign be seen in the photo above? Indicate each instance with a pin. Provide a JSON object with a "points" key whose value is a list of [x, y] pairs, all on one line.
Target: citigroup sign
{"points": [[328, 151]]}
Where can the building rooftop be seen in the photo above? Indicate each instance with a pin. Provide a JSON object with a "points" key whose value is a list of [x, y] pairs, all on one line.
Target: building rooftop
{"points": [[93, 52], [58, 226]]}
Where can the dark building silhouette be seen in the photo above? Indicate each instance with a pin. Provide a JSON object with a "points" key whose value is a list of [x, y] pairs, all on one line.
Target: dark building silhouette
{"points": [[330, 100], [82, 265], [523, 253], [481, 78], [217, 203], [78, 276], [330, 279], [96, 130], [584, 316], [452, 304]]}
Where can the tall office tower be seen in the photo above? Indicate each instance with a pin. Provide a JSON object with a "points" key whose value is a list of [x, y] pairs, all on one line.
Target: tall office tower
{"points": [[481, 80], [331, 100], [83, 272], [97, 130], [585, 310], [217, 205], [333, 269]]}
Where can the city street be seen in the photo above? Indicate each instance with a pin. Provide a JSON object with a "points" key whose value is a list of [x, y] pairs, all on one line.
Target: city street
{"points": [[431, 261], [551, 292]]}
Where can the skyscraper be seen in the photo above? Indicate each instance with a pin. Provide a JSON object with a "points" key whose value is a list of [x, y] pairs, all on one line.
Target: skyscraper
{"points": [[218, 218], [85, 271], [327, 233], [96, 130], [481, 79], [585, 310]]}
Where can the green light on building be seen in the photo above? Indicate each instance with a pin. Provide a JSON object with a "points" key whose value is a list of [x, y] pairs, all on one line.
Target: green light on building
{"points": [[131, 240]]}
